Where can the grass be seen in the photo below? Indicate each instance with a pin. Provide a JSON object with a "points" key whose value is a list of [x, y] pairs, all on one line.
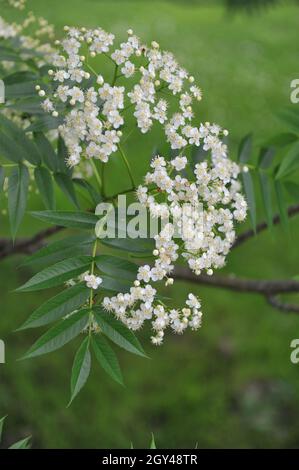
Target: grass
{"points": [[231, 384]]}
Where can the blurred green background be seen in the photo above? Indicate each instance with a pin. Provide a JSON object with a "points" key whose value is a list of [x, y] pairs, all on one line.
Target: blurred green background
{"points": [[231, 384]]}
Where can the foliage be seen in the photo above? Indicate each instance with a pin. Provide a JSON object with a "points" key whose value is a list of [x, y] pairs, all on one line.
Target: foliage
{"points": [[273, 170], [57, 256], [22, 444], [34, 155]]}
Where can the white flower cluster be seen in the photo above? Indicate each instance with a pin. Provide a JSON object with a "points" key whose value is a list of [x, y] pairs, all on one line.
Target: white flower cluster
{"points": [[92, 281], [7, 30], [198, 218], [93, 125], [201, 212], [18, 4], [37, 33], [33, 33], [140, 304], [41, 33]]}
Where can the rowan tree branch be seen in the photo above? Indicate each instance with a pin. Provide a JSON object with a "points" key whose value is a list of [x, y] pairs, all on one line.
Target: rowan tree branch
{"points": [[270, 289], [26, 245], [284, 306], [244, 236], [259, 286]]}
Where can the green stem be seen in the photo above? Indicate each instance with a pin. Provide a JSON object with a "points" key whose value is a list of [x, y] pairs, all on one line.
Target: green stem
{"points": [[250, 166], [128, 135], [126, 107], [97, 175], [115, 75], [91, 69], [103, 179], [125, 191], [13, 165], [108, 56], [127, 165]]}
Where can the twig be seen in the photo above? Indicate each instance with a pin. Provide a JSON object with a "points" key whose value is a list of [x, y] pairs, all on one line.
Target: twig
{"points": [[26, 245], [284, 306], [259, 286], [268, 288], [243, 237]]}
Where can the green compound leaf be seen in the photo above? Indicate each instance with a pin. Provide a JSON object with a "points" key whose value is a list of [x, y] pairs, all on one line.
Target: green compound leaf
{"points": [[81, 369], [60, 334], [282, 139], [57, 274], [44, 124], [131, 245], [266, 189], [291, 117], [25, 148], [57, 307], [115, 285], [8, 149], [106, 357], [48, 154], [117, 267], [18, 183], [80, 219], [279, 190], [245, 149], [153, 443], [22, 444], [44, 184], [1, 426], [290, 162], [117, 332], [66, 185], [61, 249]]}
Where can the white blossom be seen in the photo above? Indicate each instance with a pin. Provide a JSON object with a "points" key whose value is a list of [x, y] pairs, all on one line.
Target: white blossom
{"points": [[107, 103], [92, 281]]}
